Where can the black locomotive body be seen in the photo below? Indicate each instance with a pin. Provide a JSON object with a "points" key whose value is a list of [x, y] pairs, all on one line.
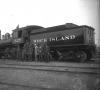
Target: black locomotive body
{"points": [[67, 41]]}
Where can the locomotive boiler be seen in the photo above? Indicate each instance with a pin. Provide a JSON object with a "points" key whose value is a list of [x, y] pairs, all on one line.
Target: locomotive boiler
{"points": [[68, 41]]}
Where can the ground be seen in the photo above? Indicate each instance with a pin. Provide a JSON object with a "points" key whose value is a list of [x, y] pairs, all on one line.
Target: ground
{"points": [[11, 79]]}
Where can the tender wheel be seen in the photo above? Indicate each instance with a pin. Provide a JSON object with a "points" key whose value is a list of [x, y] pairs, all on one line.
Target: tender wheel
{"points": [[56, 55], [81, 56]]}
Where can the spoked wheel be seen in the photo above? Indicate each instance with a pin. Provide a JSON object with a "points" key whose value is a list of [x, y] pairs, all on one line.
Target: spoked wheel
{"points": [[81, 56], [56, 55]]}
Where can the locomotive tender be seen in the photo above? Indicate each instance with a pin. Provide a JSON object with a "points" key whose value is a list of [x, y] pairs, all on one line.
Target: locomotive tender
{"points": [[67, 41]]}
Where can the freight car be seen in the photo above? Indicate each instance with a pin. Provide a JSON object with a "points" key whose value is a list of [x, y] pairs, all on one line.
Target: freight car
{"points": [[67, 41]]}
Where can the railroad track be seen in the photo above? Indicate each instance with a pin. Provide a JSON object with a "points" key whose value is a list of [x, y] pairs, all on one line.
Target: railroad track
{"points": [[12, 85], [59, 68], [89, 68]]}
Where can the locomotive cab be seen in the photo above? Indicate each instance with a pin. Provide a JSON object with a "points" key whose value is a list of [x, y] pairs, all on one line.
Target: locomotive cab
{"points": [[17, 36]]}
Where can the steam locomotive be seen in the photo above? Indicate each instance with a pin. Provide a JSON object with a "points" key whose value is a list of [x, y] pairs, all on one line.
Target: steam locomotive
{"points": [[68, 41]]}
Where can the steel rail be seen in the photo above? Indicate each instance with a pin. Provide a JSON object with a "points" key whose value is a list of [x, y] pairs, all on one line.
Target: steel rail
{"points": [[28, 86], [91, 70]]}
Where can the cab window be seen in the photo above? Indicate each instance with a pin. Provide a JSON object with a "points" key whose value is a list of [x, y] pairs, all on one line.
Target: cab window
{"points": [[14, 34], [20, 34]]}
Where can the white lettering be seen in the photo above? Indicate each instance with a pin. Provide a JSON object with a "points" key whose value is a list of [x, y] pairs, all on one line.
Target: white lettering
{"points": [[45, 40], [17, 40], [72, 37], [62, 38], [67, 37], [53, 39], [56, 39], [50, 39]]}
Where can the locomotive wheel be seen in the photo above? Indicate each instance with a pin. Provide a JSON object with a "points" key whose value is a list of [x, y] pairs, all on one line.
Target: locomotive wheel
{"points": [[56, 55], [81, 56]]}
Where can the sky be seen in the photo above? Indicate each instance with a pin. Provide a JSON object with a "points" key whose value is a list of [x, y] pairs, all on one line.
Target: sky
{"points": [[49, 13]]}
